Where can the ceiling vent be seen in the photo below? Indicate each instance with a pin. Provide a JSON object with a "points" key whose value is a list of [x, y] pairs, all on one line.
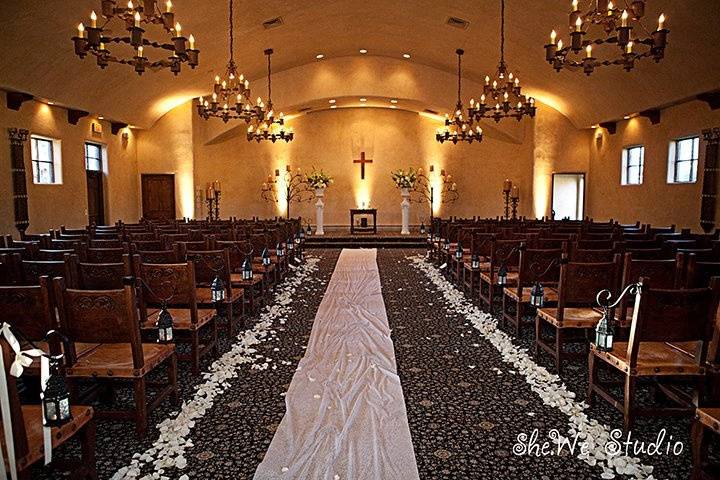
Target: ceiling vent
{"points": [[458, 23], [272, 23]]}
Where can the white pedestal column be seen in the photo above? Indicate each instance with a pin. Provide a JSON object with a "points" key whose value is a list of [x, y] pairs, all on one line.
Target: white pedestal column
{"points": [[319, 211], [405, 192]]}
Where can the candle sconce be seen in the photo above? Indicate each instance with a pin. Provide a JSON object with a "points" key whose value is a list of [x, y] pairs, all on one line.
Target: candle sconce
{"points": [[296, 188], [424, 190]]}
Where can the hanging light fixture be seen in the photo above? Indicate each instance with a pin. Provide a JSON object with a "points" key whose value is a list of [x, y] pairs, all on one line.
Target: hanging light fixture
{"points": [[621, 29], [97, 39], [268, 126], [502, 98], [457, 127], [231, 94]]}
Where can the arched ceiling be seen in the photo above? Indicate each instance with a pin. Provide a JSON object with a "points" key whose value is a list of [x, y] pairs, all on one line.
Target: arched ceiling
{"points": [[38, 56]]}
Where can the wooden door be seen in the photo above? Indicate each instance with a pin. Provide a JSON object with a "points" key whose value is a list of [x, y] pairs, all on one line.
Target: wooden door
{"points": [[158, 196], [96, 199]]}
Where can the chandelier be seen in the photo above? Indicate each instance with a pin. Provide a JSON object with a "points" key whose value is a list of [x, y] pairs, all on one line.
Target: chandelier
{"points": [[268, 126], [97, 40], [504, 91], [621, 28], [457, 127], [231, 94]]}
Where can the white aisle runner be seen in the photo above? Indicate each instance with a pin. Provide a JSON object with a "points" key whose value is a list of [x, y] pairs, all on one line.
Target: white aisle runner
{"points": [[345, 412]]}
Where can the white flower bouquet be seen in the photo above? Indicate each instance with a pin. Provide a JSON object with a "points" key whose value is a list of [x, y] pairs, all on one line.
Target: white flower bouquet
{"points": [[319, 179], [404, 179]]}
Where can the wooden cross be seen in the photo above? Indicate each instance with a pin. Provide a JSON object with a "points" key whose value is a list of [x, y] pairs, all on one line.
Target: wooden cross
{"points": [[362, 161]]}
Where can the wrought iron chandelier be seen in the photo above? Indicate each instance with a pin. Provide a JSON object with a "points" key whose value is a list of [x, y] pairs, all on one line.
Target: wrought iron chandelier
{"points": [[621, 29], [97, 39], [268, 126], [457, 127], [231, 94], [504, 91]]}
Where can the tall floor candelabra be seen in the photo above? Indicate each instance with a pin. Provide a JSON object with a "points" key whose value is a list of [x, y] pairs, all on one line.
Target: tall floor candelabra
{"points": [[290, 187], [212, 199], [427, 188], [511, 196]]}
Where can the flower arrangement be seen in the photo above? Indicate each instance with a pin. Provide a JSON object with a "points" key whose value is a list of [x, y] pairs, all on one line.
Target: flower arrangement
{"points": [[404, 179], [319, 179]]}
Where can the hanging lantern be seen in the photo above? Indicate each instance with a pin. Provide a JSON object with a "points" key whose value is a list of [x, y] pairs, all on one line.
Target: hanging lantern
{"points": [[265, 257], [279, 250], [422, 228], [55, 397], [475, 262], [217, 289], [537, 295], [502, 275], [459, 252], [604, 333], [247, 272], [164, 326]]}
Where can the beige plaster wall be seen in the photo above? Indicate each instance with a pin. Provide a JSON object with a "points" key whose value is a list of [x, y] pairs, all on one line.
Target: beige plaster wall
{"points": [[53, 205], [331, 139], [167, 147], [654, 201]]}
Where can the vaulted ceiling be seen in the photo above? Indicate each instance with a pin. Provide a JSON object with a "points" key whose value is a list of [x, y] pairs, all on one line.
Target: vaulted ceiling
{"points": [[38, 55]]}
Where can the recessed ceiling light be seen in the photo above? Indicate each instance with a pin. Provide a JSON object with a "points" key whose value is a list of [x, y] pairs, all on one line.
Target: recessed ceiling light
{"points": [[319, 56], [50, 103], [332, 100], [363, 51], [333, 106], [406, 55], [100, 117], [393, 100], [363, 99], [627, 117], [393, 106], [594, 126]]}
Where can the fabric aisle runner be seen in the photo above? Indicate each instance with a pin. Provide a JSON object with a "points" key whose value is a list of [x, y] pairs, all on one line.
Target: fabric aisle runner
{"points": [[345, 411]]}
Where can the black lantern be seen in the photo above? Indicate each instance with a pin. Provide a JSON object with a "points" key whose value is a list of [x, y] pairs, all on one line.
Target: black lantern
{"points": [[309, 230], [422, 228], [446, 246], [265, 257], [164, 326], [217, 289], [475, 262], [279, 250], [502, 275], [290, 244], [537, 295], [298, 240], [55, 397], [301, 234], [247, 271], [459, 252], [604, 333], [436, 238]]}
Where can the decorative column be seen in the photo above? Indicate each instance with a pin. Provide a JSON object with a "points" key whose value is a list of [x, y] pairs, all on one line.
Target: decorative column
{"points": [[18, 137], [405, 192], [710, 177], [319, 211]]}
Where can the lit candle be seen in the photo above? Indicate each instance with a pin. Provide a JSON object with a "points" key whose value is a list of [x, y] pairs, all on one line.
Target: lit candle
{"points": [[137, 19], [517, 82], [515, 192], [578, 24], [178, 29], [482, 99], [553, 36], [168, 6], [81, 31], [140, 51], [624, 18], [102, 46], [559, 45], [588, 51], [628, 49], [661, 21], [130, 5], [574, 5], [487, 80], [192, 42], [93, 19], [472, 102], [507, 185], [217, 79], [216, 185], [610, 8], [505, 97]]}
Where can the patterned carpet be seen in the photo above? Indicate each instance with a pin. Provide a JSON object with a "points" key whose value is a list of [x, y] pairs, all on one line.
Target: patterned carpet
{"points": [[465, 406]]}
